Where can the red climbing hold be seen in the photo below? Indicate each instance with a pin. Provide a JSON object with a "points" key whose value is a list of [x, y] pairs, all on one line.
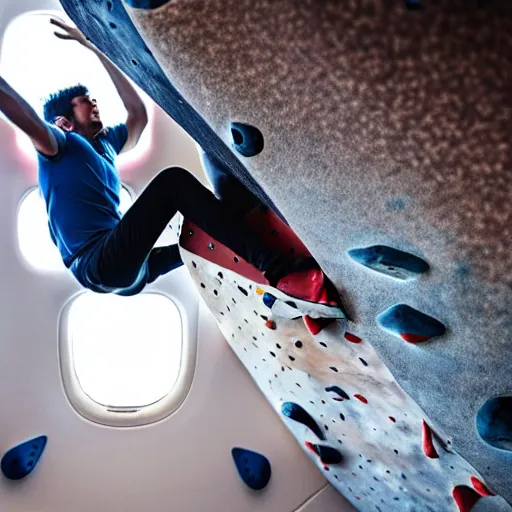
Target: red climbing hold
{"points": [[307, 285], [362, 398], [480, 488], [414, 338], [270, 325], [427, 444], [465, 497], [352, 338], [316, 325], [312, 325]]}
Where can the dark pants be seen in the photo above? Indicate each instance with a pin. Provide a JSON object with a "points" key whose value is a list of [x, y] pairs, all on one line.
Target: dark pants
{"points": [[124, 260]]}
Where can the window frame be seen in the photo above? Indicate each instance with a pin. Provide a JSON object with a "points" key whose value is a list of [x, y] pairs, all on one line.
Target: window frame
{"points": [[91, 410]]}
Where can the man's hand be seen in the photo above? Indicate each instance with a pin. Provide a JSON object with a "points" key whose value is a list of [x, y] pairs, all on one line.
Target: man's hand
{"points": [[71, 33], [137, 117]]}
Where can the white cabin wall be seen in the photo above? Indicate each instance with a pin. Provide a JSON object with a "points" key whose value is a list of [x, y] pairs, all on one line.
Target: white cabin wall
{"points": [[182, 463]]}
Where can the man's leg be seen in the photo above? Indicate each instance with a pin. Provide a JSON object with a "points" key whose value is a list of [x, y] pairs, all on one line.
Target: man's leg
{"points": [[129, 245], [163, 260]]}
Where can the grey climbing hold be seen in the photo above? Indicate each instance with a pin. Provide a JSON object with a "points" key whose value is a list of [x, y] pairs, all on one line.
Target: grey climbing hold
{"points": [[494, 422], [392, 262], [410, 324]]}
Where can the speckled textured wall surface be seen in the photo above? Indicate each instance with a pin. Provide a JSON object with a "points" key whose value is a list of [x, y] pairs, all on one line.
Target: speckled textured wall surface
{"points": [[382, 126]]}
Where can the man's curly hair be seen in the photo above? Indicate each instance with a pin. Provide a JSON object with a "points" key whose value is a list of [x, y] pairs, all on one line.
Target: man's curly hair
{"points": [[59, 103]]}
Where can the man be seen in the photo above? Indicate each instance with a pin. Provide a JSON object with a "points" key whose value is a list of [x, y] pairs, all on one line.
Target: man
{"points": [[80, 184]]}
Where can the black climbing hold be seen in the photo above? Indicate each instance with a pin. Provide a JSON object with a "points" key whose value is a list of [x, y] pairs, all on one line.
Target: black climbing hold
{"points": [[410, 324], [145, 4], [243, 291], [390, 261], [19, 461], [327, 454], [253, 468], [297, 413], [247, 140], [494, 422], [338, 391]]}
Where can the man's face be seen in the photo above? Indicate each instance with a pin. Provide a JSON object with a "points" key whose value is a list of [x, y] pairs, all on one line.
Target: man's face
{"points": [[86, 115]]}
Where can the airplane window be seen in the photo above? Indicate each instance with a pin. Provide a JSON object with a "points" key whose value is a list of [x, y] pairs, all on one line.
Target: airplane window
{"points": [[41, 64], [126, 351], [34, 241]]}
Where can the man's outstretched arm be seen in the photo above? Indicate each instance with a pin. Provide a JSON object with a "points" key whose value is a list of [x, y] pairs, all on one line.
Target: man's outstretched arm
{"points": [[25, 118], [137, 116]]}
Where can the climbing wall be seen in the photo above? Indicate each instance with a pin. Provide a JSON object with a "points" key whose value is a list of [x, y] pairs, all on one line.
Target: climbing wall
{"points": [[332, 390], [386, 131]]}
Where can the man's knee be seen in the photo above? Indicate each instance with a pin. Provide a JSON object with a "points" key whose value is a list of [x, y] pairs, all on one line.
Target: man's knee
{"points": [[175, 176]]}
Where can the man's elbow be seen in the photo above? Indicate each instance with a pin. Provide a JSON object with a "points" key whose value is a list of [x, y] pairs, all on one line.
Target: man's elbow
{"points": [[139, 115]]}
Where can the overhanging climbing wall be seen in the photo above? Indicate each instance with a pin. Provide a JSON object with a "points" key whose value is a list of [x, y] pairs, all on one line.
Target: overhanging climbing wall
{"points": [[383, 127], [373, 442]]}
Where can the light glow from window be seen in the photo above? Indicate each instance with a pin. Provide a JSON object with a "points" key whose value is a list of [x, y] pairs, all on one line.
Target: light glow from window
{"points": [[34, 241], [41, 64], [126, 350]]}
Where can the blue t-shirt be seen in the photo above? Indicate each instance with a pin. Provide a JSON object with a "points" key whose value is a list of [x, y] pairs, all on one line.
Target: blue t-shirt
{"points": [[81, 188]]}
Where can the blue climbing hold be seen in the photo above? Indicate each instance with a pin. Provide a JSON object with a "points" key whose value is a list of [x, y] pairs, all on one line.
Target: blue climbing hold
{"points": [[410, 324], [247, 140], [253, 468], [327, 454], [297, 413], [390, 261], [145, 4], [268, 300], [19, 461], [494, 422]]}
